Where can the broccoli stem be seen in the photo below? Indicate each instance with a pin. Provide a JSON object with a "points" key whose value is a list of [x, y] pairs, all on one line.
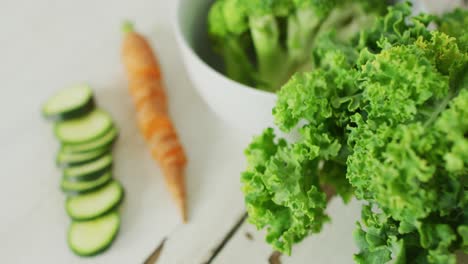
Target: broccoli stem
{"points": [[237, 64], [272, 60], [302, 29], [347, 20]]}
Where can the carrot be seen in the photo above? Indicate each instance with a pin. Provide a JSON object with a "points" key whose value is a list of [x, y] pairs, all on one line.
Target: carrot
{"points": [[147, 91]]}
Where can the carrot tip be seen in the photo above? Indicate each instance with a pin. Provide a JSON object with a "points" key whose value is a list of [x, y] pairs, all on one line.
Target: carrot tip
{"points": [[127, 26], [184, 215]]}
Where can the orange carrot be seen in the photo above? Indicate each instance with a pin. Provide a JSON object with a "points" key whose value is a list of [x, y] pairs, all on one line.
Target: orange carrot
{"points": [[147, 90]]}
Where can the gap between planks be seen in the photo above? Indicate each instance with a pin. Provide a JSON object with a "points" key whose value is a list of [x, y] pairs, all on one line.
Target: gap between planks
{"points": [[154, 257], [226, 239]]}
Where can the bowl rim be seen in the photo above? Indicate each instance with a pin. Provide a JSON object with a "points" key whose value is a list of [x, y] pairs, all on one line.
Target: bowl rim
{"points": [[181, 39]]}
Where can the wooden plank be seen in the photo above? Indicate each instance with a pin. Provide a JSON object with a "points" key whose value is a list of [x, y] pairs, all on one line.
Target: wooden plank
{"points": [[334, 245], [217, 205], [247, 246]]}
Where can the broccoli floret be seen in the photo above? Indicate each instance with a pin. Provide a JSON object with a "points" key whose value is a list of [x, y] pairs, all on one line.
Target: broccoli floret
{"points": [[263, 42], [227, 28]]}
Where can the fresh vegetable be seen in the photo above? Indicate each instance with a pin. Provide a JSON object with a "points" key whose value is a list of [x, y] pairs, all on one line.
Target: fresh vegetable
{"points": [[68, 159], [71, 188], [89, 171], [146, 89], [89, 238], [94, 204], [87, 136], [69, 103], [83, 129], [263, 42], [105, 141], [383, 118]]}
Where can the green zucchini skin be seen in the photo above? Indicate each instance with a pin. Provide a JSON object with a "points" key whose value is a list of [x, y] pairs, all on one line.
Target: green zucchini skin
{"points": [[89, 175], [66, 131], [105, 141], [98, 184], [76, 110], [73, 113], [70, 193], [100, 249], [87, 134], [116, 204], [113, 208], [63, 162]]}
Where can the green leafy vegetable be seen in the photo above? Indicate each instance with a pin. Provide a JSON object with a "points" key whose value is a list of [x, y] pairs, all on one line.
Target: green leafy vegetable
{"points": [[383, 117], [456, 24]]}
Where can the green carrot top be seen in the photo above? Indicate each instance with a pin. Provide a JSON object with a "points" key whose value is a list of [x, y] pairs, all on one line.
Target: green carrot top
{"points": [[127, 26]]}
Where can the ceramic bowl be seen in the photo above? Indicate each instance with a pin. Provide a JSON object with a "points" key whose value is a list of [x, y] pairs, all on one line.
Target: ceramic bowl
{"points": [[243, 108]]}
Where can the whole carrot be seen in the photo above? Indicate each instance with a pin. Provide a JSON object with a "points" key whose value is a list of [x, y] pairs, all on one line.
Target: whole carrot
{"points": [[149, 97]]}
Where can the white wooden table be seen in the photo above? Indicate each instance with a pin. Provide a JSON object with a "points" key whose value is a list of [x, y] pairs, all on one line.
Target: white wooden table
{"points": [[49, 44]]}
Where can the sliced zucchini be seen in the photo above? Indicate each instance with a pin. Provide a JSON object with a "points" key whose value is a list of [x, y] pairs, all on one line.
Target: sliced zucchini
{"points": [[103, 142], [89, 238], [83, 129], [69, 103], [94, 204], [68, 159], [88, 171], [76, 188]]}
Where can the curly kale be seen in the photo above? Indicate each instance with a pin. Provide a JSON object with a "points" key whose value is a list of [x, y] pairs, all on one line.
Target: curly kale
{"points": [[382, 117]]}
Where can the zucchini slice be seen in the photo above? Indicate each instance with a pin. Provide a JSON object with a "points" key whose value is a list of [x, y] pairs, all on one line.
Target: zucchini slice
{"points": [[83, 129], [69, 103], [94, 204], [90, 238], [103, 142], [68, 159], [88, 171], [77, 188]]}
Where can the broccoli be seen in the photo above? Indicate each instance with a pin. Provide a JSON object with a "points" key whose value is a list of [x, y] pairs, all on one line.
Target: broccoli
{"points": [[264, 42]]}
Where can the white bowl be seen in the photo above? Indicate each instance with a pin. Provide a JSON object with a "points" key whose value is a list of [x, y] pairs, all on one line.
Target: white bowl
{"points": [[242, 107]]}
